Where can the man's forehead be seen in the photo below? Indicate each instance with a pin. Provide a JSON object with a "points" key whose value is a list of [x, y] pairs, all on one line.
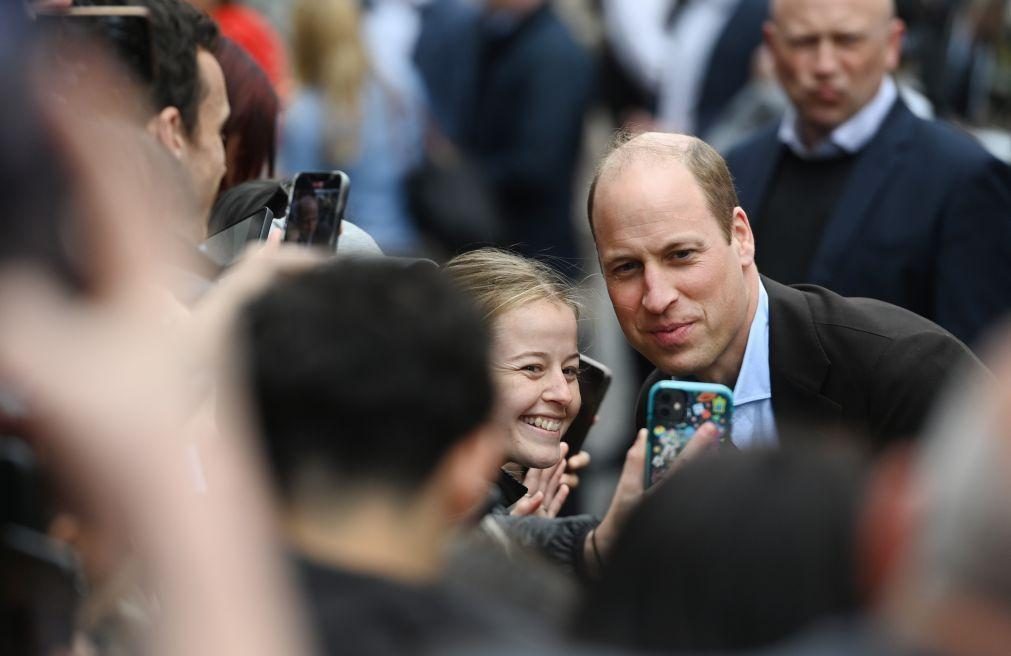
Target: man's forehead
{"points": [[799, 12], [212, 79]]}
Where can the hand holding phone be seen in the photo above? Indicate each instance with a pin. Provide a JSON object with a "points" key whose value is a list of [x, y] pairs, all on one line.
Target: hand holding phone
{"points": [[676, 411]]}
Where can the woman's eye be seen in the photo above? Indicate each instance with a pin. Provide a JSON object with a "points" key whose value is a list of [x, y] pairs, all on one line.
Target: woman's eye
{"points": [[532, 368], [571, 373]]}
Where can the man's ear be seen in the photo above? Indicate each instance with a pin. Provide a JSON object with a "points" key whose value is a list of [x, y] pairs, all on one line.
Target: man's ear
{"points": [[896, 30], [468, 470], [742, 237], [167, 127], [769, 34]]}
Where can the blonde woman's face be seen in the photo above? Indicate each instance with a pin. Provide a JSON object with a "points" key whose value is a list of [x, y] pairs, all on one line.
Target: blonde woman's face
{"points": [[535, 362]]}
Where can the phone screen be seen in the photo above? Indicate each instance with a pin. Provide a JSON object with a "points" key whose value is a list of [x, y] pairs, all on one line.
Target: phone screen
{"points": [[316, 208], [594, 379], [675, 410], [228, 244]]}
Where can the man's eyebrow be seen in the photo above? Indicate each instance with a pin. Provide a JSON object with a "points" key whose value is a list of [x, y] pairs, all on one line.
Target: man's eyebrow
{"points": [[678, 243]]}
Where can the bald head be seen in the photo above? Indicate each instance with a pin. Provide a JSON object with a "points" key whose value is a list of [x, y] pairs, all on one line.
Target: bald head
{"points": [[664, 149], [883, 9], [831, 57]]}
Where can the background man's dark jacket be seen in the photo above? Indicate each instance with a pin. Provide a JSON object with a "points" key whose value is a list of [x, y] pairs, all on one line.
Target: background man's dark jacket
{"points": [[924, 222], [855, 365]]}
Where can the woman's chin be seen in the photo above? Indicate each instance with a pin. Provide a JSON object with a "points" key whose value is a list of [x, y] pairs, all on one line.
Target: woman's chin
{"points": [[540, 457]]}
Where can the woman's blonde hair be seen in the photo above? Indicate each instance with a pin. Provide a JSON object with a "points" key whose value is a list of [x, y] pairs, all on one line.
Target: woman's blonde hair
{"points": [[328, 54], [500, 281]]}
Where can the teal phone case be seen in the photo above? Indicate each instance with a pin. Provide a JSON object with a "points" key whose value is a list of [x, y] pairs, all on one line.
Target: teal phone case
{"points": [[674, 411]]}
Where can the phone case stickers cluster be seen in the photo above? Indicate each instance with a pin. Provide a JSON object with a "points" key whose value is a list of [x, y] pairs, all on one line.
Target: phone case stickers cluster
{"points": [[667, 441]]}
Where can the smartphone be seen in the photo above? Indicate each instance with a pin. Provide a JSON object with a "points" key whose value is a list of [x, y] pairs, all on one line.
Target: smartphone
{"points": [[594, 379], [674, 411], [316, 207], [124, 31], [225, 246]]}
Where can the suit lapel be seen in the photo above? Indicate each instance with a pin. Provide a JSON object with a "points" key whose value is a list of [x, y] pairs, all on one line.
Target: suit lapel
{"points": [[798, 365], [871, 172]]}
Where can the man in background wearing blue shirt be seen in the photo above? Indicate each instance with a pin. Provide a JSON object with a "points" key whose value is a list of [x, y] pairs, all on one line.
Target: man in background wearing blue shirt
{"points": [[853, 192]]}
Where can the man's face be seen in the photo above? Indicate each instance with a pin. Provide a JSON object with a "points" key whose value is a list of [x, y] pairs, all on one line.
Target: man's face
{"points": [[831, 56], [678, 288], [204, 152]]}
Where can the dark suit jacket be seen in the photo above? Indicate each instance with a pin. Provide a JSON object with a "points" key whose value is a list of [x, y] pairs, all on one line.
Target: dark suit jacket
{"points": [[924, 222], [854, 365], [729, 67]]}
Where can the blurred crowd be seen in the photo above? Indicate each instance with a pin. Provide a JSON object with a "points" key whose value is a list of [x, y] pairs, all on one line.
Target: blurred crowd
{"points": [[297, 299]]}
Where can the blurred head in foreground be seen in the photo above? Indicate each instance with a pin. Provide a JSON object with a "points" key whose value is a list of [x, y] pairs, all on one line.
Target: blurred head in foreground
{"points": [[370, 380], [732, 552]]}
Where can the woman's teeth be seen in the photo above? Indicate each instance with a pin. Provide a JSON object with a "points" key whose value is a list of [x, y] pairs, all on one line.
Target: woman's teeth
{"points": [[543, 422]]}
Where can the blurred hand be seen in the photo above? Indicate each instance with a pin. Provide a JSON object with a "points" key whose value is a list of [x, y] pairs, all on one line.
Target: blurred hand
{"points": [[574, 465], [630, 489], [107, 392], [260, 265]]}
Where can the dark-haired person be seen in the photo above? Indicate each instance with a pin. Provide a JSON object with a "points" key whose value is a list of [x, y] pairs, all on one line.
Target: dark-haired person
{"points": [[678, 258], [188, 96], [734, 552], [250, 132], [371, 384]]}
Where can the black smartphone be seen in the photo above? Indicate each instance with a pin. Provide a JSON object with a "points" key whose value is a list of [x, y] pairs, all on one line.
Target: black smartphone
{"points": [[225, 246], [125, 32], [594, 379], [316, 207]]}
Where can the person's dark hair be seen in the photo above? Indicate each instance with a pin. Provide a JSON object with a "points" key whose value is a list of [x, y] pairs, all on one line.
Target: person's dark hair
{"points": [[251, 129], [242, 200], [365, 372], [732, 552], [177, 30]]}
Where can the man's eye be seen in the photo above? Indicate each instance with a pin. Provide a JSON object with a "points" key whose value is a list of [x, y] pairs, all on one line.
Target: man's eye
{"points": [[682, 254], [847, 40], [803, 42], [624, 268]]}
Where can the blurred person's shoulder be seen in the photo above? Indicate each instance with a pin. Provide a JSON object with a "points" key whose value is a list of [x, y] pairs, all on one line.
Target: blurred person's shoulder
{"points": [[364, 614]]}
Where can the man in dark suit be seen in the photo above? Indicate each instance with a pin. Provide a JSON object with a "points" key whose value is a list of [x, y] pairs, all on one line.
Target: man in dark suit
{"points": [[853, 192], [678, 258]]}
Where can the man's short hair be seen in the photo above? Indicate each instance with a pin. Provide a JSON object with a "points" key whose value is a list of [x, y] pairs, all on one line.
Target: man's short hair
{"points": [[177, 30], [365, 373], [705, 164]]}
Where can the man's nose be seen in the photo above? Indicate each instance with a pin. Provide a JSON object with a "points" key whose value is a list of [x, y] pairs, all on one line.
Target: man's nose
{"points": [[826, 59], [659, 292]]}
